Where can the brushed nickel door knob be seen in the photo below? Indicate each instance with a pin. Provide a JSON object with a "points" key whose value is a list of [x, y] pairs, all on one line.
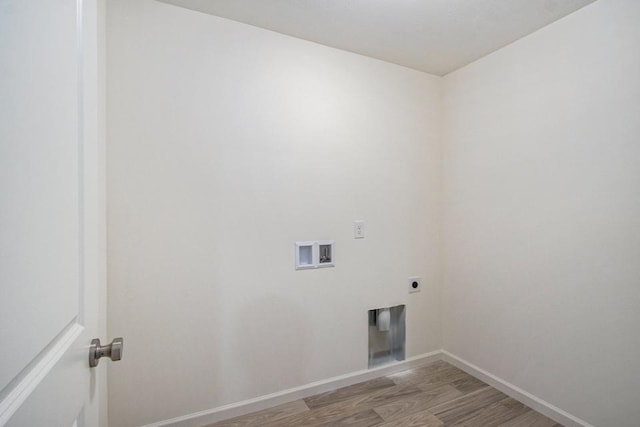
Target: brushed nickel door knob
{"points": [[113, 351]]}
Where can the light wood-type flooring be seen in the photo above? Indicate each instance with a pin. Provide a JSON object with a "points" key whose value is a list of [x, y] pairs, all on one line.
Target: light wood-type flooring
{"points": [[433, 395]]}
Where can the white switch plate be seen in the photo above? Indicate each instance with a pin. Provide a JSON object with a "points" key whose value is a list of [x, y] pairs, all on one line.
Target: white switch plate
{"points": [[358, 229], [412, 287]]}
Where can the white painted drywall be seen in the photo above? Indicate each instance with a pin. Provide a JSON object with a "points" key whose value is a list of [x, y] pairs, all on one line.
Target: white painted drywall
{"points": [[542, 213], [226, 144]]}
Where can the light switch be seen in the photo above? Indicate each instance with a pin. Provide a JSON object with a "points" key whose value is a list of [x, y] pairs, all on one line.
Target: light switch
{"points": [[358, 229]]}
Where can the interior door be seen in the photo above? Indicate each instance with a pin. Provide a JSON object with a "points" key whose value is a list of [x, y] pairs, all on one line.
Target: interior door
{"points": [[51, 213]]}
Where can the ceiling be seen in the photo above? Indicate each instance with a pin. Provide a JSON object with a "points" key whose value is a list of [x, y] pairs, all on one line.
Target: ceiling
{"points": [[435, 36]]}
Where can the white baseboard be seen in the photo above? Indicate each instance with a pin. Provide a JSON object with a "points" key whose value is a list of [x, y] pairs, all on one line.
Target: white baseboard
{"points": [[517, 393], [244, 407]]}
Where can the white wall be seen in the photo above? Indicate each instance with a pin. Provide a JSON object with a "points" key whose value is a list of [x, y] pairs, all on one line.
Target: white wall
{"points": [[227, 144], [542, 213]]}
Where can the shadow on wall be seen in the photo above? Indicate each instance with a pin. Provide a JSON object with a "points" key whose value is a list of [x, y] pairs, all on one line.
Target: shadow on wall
{"points": [[271, 341]]}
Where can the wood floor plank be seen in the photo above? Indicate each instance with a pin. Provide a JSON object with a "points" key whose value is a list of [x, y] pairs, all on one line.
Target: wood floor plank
{"points": [[468, 384], [346, 393], [457, 410], [260, 418], [417, 402], [530, 418], [345, 408], [494, 414], [386, 396], [419, 419], [366, 418], [451, 376]]}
